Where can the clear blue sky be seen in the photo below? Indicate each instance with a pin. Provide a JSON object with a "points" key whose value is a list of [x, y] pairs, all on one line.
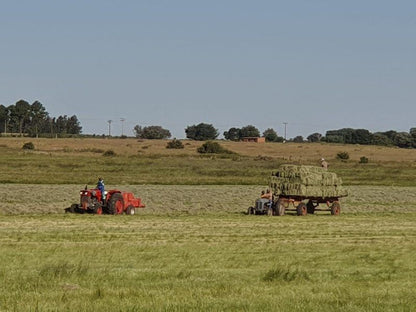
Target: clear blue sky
{"points": [[316, 64]]}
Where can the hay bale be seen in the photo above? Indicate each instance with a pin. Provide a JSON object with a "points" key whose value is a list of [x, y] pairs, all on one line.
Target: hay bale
{"points": [[308, 181]]}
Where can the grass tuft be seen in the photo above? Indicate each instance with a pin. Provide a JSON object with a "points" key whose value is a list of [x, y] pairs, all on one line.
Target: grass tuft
{"points": [[286, 275]]}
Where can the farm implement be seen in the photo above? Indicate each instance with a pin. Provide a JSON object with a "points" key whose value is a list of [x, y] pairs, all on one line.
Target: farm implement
{"points": [[113, 202], [302, 189]]}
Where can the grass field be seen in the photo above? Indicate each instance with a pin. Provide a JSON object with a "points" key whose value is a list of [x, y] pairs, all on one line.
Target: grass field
{"points": [[193, 248], [208, 263], [71, 161]]}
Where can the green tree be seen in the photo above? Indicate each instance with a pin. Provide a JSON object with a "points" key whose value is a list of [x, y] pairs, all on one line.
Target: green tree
{"points": [[314, 137], [249, 131], [270, 135], [381, 139], [233, 134], [361, 136], [4, 118], [37, 115], [413, 134], [201, 132], [151, 132], [73, 125], [20, 115], [298, 139], [403, 139]]}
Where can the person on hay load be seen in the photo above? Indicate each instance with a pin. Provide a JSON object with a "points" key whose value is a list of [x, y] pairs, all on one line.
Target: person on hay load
{"points": [[324, 164], [268, 195], [100, 186]]}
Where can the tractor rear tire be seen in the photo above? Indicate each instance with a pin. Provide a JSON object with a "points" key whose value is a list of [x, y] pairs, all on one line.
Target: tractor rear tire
{"points": [[116, 204], [130, 210], [301, 210]]}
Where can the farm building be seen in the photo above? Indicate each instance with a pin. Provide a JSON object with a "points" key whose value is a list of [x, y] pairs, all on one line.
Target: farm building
{"points": [[254, 139]]}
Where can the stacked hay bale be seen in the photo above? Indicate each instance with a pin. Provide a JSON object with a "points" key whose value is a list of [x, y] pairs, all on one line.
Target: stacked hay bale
{"points": [[307, 181]]}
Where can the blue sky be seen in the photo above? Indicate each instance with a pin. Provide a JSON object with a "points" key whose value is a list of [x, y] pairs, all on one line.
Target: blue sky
{"points": [[317, 65]]}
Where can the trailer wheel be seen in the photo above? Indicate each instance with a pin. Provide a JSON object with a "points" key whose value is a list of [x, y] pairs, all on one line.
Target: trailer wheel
{"points": [[116, 204], [280, 208], [130, 210], [335, 209], [301, 210]]}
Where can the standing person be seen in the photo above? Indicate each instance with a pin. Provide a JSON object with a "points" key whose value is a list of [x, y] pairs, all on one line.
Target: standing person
{"points": [[100, 186], [268, 195], [324, 164]]}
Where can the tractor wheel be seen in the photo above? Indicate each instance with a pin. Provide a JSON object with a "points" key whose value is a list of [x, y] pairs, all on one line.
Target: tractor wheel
{"points": [[301, 210], [335, 209], [99, 210], [250, 211], [130, 210], [310, 207], [270, 211], [116, 204]]}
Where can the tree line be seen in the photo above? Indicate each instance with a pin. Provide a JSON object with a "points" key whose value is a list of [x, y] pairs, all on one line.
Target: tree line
{"points": [[33, 120], [204, 132]]}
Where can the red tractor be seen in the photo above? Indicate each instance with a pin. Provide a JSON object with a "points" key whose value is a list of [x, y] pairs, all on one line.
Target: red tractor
{"points": [[113, 202]]}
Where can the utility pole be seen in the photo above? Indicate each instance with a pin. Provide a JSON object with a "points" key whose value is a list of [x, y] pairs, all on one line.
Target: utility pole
{"points": [[122, 125], [109, 127], [285, 123]]}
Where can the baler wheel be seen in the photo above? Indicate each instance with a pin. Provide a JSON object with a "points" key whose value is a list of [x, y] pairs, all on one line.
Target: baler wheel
{"points": [[116, 204], [130, 210]]}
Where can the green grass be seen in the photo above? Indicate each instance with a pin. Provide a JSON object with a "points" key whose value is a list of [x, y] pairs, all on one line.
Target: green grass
{"points": [[193, 248], [208, 262], [46, 168]]}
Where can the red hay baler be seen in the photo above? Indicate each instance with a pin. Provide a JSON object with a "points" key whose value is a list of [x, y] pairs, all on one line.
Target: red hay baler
{"points": [[113, 202]]}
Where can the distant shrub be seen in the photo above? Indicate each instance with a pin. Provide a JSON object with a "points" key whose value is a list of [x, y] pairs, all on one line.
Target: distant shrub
{"points": [[109, 153], [343, 155], [363, 160], [28, 146], [211, 147], [175, 144]]}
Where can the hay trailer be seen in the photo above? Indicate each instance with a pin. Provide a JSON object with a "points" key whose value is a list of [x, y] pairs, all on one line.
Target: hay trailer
{"points": [[304, 205], [303, 188]]}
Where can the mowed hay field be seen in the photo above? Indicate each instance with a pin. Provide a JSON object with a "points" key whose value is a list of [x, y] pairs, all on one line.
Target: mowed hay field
{"points": [[193, 248]]}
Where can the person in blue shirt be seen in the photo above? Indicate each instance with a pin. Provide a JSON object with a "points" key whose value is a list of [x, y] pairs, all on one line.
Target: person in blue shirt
{"points": [[100, 186]]}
